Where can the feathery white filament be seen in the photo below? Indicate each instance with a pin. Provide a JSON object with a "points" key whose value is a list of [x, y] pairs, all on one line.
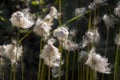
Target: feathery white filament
{"points": [[12, 52], [109, 20], [117, 39], [97, 62], [61, 33], [18, 19], [51, 55]]}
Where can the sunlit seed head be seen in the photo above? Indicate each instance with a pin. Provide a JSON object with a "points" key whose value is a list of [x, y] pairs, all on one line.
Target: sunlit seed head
{"points": [[117, 11], [2, 62], [99, 1], [73, 33], [84, 42], [56, 72], [80, 11], [109, 20], [83, 55], [61, 33], [13, 52], [42, 29], [52, 14], [69, 45], [2, 50], [51, 63], [91, 6], [51, 41], [117, 40], [53, 11], [92, 35], [18, 19], [50, 54], [97, 62]]}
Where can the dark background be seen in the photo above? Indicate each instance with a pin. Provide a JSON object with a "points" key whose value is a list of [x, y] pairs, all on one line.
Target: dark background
{"points": [[32, 42]]}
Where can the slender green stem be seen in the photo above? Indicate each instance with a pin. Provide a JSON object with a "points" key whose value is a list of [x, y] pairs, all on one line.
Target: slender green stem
{"points": [[91, 70], [60, 10], [25, 36], [87, 73], [22, 68], [3, 71], [11, 73], [89, 21], [74, 18], [60, 49], [89, 26], [73, 66], [106, 42], [14, 72], [42, 72], [91, 74], [106, 49], [39, 67], [49, 72], [67, 63], [116, 63], [14, 65], [44, 78], [83, 68], [78, 71]]}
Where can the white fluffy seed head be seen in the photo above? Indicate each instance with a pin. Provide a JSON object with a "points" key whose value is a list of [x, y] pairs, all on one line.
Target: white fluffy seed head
{"points": [[83, 55], [96, 3], [2, 50], [80, 11], [92, 35], [69, 45], [52, 14], [61, 33], [56, 72], [117, 39], [2, 62], [51, 55], [43, 29], [97, 62], [12, 52], [91, 6], [99, 1], [109, 20], [117, 11], [18, 19]]}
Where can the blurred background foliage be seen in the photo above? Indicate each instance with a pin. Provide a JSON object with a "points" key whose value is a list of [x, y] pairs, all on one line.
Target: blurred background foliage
{"points": [[32, 41]]}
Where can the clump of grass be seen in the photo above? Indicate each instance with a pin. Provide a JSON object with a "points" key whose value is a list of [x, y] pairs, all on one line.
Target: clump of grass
{"points": [[87, 72]]}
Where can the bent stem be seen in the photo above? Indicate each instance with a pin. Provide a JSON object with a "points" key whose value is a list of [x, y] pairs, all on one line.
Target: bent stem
{"points": [[74, 18], [25, 36]]}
